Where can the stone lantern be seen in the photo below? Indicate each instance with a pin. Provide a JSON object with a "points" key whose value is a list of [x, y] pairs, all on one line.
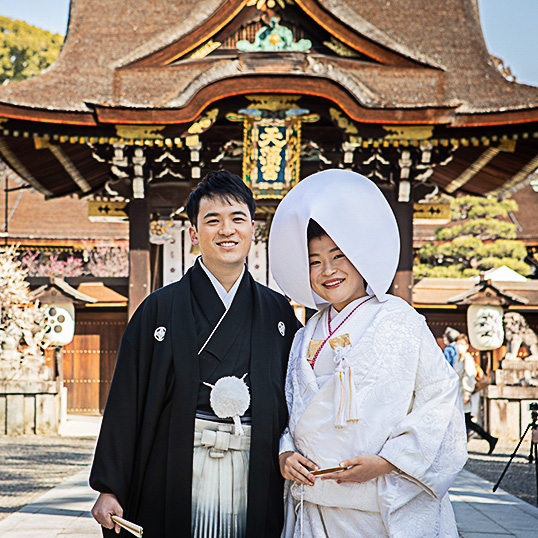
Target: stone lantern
{"points": [[31, 392]]}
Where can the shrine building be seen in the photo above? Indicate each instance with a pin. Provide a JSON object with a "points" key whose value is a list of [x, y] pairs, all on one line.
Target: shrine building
{"points": [[146, 97]]}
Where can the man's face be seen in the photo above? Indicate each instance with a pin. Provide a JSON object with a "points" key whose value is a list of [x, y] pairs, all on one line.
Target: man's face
{"points": [[224, 233]]}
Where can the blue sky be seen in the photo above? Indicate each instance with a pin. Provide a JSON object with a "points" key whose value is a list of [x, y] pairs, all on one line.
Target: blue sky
{"points": [[509, 28]]}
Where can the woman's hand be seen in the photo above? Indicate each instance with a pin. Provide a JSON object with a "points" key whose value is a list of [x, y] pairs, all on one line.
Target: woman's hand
{"points": [[294, 466], [361, 469]]}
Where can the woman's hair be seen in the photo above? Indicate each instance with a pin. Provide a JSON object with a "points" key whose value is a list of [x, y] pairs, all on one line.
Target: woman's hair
{"points": [[462, 338], [314, 231]]}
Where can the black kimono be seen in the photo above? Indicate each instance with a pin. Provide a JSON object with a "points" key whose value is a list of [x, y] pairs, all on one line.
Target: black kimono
{"points": [[145, 448]]}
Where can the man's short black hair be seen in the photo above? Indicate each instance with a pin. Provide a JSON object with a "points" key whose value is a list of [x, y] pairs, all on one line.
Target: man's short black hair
{"points": [[314, 231], [219, 184]]}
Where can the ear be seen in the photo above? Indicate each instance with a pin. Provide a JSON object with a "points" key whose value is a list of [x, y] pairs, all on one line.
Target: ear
{"points": [[193, 235]]}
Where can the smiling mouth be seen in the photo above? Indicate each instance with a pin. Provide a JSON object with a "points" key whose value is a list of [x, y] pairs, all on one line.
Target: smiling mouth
{"points": [[333, 283], [227, 244]]}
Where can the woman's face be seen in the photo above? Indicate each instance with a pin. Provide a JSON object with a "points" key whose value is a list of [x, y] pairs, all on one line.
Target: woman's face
{"points": [[332, 276]]}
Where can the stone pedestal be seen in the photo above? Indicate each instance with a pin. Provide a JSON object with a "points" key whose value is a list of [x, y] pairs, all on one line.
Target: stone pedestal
{"points": [[507, 410], [517, 372], [29, 407]]}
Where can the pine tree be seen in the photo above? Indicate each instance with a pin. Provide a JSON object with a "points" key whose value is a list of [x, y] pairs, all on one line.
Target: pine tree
{"points": [[481, 237]]}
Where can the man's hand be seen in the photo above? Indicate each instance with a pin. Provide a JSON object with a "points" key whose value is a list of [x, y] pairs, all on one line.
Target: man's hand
{"points": [[295, 467], [361, 469], [105, 506]]}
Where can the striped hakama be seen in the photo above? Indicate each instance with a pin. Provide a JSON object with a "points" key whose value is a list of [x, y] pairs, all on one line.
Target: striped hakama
{"points": [[219, 480]]}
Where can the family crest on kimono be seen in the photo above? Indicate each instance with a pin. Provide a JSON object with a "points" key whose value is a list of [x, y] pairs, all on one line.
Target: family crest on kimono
{"points": [[376, 432], [190, 433]]}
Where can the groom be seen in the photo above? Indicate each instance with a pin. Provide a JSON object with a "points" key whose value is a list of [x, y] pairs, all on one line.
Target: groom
{"points": [[164, 460]]}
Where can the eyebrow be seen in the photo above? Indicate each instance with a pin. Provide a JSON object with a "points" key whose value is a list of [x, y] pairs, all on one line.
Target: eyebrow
{"points": [[215, 214], [332, 250]]}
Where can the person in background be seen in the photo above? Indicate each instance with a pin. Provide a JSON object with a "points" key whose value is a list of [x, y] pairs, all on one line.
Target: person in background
{"points": [[466, 369], [449, 339]]}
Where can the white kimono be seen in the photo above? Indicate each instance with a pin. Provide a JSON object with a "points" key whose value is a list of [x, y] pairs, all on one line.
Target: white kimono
{"points": [[409, 412]]}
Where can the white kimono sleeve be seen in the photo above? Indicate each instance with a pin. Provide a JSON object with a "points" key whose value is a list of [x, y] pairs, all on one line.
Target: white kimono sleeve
{"points": [[286, 440], [430, 444]]}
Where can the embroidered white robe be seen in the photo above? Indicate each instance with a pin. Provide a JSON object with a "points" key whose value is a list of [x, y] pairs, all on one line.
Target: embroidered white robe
{"points": [[409, 413]]}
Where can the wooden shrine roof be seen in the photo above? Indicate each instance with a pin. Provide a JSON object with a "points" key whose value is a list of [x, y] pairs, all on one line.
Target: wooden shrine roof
{"points": [[143, 71], [439, 292], [420, 54], [49, 224]]}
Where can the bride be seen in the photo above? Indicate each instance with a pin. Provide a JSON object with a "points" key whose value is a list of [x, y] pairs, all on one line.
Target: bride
{"points": [[376, 431]]}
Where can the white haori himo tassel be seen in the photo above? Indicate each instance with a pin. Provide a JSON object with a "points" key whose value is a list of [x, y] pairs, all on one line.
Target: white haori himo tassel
{"points": [[345, 397], [230, 398]]}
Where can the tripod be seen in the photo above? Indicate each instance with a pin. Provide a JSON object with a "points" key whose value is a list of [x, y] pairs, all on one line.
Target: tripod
{"points": [[533, 455]]}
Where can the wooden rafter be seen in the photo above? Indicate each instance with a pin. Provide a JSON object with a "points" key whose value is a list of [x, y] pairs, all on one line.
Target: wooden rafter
{"points": [[472, 170], [70, 168]]}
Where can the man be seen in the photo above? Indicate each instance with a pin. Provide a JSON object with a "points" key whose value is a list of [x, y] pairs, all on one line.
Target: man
{"points": [[164, 460]]}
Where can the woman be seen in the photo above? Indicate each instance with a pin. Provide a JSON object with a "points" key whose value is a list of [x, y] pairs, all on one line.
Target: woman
{"points": [[368, 389], [466, 369]]}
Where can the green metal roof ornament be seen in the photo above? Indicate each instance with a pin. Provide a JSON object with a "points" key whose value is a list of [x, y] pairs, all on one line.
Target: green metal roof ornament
{"points": [[274, 37]]}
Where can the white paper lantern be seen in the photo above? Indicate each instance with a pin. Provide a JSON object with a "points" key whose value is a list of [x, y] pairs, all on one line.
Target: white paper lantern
{"points": [[61, 320], [485, 326]]}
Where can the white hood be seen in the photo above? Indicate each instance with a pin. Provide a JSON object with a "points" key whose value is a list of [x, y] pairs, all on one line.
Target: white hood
{"points": [[357, 217]]}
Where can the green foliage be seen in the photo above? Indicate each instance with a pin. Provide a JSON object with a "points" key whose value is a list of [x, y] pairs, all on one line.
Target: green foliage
{"points": [[421, 270], [517, 265], [484, 228], [473, 207], [25, 50], [503, 248], [462, 249], [485, 239]]}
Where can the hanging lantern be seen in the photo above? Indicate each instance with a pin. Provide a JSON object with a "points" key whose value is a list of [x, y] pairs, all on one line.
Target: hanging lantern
{"points": [[61, 320], [485, 326]]}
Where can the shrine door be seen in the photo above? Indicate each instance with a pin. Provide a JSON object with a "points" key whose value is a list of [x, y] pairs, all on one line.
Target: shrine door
{"points": [[88, 361]]}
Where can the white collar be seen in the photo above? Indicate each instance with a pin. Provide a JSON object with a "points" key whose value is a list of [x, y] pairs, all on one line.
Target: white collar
{"points": [[226, 297], [336, 316]]}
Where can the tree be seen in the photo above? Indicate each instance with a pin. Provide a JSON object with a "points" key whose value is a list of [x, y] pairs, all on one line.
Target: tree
{"points": [[481, 236], [25, 50]]}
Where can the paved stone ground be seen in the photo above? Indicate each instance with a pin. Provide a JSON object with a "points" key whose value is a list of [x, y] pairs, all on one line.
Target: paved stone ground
{"points": [[519, 480], [31, 465]]}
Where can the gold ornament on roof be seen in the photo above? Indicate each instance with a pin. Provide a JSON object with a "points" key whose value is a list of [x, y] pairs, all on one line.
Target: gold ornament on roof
{"points": [[263, 4], [340, 48], [342, 122], [204, 123], [273, 102]]}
